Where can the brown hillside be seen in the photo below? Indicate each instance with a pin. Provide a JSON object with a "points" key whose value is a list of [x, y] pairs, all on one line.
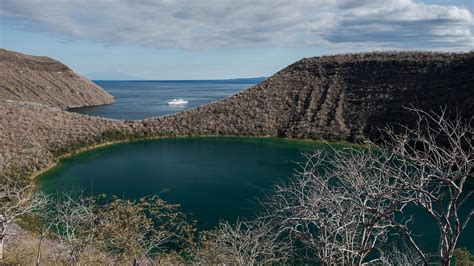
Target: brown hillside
{"points": [[342, 97], [44, 80]]}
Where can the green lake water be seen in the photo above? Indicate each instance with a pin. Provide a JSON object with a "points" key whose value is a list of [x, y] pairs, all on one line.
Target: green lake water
{"points": [[211, 178]]}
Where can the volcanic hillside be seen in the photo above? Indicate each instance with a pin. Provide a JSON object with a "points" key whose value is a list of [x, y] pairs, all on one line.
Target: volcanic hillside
{"points": [[44, 80], [342, 97]]}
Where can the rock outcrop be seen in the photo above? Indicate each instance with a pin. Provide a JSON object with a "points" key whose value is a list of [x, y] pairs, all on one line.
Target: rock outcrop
{"points": [[44, 80], [342, 97]]}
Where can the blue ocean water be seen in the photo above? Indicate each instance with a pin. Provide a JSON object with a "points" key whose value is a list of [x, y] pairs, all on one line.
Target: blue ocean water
{"points": [[145, 99]]}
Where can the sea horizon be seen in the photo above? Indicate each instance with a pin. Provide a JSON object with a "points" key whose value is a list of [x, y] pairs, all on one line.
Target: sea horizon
{"points": [[142, 99], [229, 80]]}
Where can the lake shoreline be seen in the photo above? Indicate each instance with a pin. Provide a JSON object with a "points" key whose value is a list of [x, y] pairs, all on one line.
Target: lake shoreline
{"points": [[201, 174], [210, 177], [57, 160]]}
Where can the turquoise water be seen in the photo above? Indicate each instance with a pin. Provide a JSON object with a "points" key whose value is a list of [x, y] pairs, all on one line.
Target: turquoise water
{"points": [[212, 178], [145, 99]]}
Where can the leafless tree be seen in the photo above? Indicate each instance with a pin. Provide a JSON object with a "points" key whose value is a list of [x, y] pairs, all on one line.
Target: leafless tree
{"points": [[402, 256], [440, 150], [42, 226], [341, 206], [245, 243], [17, 198], [72, 223]]}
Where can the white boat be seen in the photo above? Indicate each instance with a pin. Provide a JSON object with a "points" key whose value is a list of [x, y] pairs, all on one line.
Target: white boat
{"points": [[177, 102]]}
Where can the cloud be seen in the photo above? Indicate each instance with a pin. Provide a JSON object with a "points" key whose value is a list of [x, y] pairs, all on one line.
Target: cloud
{"points": [[403, 24], [203, 24]]}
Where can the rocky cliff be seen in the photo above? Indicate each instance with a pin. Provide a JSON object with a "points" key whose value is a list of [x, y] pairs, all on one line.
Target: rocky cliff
{"points": [[342, 97], [44, 80]]}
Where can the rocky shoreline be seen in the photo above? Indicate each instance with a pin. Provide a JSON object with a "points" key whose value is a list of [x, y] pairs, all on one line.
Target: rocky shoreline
{"points": [[335, 98]]}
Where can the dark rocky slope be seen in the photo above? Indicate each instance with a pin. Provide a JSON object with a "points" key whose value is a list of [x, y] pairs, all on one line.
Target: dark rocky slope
{"points": [[342, 97], [44, 80]]}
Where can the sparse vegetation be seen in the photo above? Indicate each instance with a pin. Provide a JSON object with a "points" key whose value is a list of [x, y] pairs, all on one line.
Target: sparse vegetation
{"points": [[243, 243], [40, 79], [142, 230], [340, 209], [17, 198], [463, 257], [343, 208], [357, 100]]}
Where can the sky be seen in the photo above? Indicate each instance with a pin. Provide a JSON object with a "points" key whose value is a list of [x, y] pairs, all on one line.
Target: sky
{"points": [[219, 39]]}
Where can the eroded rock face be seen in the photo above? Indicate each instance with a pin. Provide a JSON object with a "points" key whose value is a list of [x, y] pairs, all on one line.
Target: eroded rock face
{"points": [[44, 80], [343, 97]]}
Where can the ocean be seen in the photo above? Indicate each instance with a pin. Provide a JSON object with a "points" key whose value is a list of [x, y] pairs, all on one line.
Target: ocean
{"points": [[144, 99]]}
